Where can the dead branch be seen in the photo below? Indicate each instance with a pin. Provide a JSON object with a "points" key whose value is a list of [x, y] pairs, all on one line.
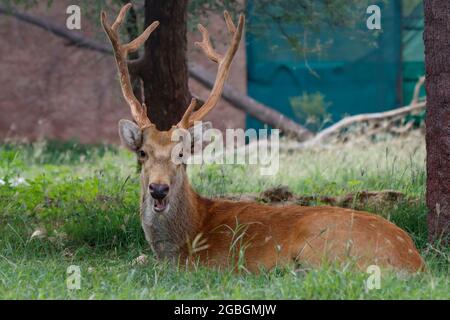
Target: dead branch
{"points": [[367, 117], [392, 115], [389, 116], [419, 84], [73, 37]]}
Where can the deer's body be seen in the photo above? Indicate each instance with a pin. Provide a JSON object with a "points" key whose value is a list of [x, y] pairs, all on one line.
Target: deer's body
{"points": [[178, 223], [274, 236]]}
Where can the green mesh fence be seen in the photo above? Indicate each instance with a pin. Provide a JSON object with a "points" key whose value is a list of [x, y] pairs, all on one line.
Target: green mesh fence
{"points": [[356, 72]]}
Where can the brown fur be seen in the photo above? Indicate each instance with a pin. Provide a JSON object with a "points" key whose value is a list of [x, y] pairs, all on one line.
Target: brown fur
{"points": [[267, 236]]}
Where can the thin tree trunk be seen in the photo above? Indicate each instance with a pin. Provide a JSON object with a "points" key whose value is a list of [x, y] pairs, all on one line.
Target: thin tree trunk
{"points": [[437, 61], [163, 68]]}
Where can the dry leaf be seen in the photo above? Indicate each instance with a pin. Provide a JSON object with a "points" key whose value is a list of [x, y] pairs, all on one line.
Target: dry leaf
{"points": [[39, 234], [141, 260]]}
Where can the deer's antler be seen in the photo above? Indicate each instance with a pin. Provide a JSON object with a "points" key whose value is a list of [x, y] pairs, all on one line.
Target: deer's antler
{"points": [[138, 110], [224, 63]]}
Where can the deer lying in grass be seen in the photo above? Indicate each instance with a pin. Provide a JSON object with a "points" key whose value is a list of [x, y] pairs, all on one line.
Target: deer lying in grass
{"points": [[173, 214]]}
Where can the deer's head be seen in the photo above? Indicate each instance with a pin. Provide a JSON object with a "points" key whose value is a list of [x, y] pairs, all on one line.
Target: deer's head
{"points": [[162, 175]]}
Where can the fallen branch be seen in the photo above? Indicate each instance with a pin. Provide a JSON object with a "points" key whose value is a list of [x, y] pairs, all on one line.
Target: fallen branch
{"points": [[73, 37], [281, 195], [349, 121], [239, 100], [367, 117]]}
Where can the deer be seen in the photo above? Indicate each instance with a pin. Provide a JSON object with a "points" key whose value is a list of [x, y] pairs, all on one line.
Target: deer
{"points": [[174, 216]]}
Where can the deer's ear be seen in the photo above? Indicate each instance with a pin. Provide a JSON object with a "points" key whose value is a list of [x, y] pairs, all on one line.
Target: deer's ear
{"points": [[130, 135], [196, 133]]}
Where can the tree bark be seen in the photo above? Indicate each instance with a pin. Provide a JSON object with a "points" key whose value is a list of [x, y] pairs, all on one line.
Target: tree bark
{"points": [[163, 68], [437, 63]]}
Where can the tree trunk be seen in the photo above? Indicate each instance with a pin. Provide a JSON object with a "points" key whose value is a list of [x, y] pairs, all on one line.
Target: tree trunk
{"points": [[164, 70], [437, 62]]}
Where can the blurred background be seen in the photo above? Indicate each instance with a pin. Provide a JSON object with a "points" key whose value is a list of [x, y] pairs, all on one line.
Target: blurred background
{"points": [[313, 61]]}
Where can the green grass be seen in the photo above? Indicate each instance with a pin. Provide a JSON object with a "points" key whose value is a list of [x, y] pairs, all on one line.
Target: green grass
{"points": [[86, 197]]}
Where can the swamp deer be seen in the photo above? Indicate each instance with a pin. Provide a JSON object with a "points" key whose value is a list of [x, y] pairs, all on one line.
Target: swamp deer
{"points": [[174, 216]]}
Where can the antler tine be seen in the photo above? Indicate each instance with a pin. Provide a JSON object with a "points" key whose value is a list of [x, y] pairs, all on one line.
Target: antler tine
{"points": [[230, 25], [224, 63], [207, 46], [120, 17], [184, 122], [140, 40], [138, 110]]}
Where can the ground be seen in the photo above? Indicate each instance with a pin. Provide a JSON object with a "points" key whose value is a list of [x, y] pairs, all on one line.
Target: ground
{"points": [[68, 204]]}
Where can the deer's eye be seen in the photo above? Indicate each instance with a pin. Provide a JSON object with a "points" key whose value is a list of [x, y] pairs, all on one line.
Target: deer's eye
{"points": [[142, 154], [180, 154]]}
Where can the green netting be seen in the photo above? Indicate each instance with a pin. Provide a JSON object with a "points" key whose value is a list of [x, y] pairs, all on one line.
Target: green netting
{"points": [[413, 49], [356, 74]]}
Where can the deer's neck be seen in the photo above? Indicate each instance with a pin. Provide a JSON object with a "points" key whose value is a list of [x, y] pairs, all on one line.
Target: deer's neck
{"points": [[169, 232]]}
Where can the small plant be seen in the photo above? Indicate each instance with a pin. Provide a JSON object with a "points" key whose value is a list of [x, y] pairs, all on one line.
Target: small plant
{"points": [[312, 109]]}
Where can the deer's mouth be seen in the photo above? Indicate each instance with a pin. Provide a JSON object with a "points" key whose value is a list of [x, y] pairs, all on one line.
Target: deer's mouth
{"points": [[160, 205]]}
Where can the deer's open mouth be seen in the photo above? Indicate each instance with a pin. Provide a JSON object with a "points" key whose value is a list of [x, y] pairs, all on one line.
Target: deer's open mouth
{"points": [[160, 205]]}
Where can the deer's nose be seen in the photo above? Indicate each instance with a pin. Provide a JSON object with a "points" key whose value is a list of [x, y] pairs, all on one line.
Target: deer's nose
{"points": [[158, 191]]}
